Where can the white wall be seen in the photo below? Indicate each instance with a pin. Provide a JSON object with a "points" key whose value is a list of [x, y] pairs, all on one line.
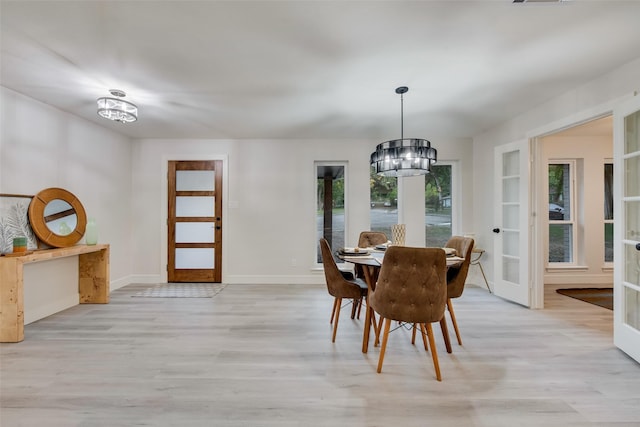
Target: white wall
{"points": [[593, 99], [41, 147], [269, 202]]}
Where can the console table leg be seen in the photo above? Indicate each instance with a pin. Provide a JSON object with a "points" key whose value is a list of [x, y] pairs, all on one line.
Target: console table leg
{"points": [[11, 302], [93, 277]]}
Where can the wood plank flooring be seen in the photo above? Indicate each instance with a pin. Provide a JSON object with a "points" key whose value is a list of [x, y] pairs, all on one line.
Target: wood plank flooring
{"points": [[262, 356]]}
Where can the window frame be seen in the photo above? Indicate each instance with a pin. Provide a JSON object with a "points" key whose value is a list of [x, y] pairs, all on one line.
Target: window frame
{"points": [[317, 260], [573, 223]]}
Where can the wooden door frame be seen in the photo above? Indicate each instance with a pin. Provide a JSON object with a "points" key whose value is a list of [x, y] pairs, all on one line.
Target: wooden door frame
{"points": [[164, 184]]}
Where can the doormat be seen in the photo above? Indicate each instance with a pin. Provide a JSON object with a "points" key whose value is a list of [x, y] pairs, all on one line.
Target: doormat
{"points": [[181, 290], [602, 297]]}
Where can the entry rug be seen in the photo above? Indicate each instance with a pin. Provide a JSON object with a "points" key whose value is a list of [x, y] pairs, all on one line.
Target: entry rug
{"points": [[181, 290], [602, 297]]}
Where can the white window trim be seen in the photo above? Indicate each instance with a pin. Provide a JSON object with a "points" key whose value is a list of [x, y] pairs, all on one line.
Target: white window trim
{"points": [[557, 266]]}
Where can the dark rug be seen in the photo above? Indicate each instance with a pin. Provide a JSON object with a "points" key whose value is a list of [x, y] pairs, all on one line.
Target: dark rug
{"points": [[597, 296]]}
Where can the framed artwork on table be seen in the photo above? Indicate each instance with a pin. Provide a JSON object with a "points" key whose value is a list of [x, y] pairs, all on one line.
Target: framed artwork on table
{"points": [[14, 222]]}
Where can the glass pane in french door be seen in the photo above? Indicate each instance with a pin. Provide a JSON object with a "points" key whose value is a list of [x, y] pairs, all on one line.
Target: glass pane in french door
{"points": [[631, 233]]}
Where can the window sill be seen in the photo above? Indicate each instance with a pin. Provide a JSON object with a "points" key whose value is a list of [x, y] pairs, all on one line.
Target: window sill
{"points": [[560, 269]]}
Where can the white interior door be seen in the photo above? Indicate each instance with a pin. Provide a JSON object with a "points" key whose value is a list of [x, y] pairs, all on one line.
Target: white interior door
{"points": [[511, 245], [626, 277]]}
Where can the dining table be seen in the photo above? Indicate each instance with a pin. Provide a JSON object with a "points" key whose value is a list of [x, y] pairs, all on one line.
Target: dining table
{"points": [[371, 260]]}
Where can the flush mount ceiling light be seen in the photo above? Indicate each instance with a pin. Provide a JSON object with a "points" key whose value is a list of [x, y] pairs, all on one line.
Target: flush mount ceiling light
{"points": [[117, 109], [403, 157]]}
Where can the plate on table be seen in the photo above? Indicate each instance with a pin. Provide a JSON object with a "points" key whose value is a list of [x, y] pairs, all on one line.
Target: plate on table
{"points": [[449, 251], [382, 247], [353, 251]]}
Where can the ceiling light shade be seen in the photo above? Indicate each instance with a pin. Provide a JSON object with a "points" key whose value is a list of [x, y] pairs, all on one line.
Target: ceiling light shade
{"points": [[117, 109], [403, 157]]}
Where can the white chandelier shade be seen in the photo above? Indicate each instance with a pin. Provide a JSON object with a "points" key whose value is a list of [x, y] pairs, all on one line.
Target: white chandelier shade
{"points": [[117, 109]]}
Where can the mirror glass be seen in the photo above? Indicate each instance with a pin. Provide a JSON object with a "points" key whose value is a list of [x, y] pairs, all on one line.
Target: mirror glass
{"points": [[60, 217]]}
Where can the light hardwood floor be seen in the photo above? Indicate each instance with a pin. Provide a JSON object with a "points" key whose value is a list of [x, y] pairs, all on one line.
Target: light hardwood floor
{"points": [[262, 356]]}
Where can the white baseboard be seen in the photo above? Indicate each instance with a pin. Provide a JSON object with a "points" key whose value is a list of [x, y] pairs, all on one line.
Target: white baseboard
{"points": [[315, 279]]}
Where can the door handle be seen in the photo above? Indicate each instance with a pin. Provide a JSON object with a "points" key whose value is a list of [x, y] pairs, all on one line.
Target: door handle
{"points": [[496, 230], [217, 227], [637, 246]]}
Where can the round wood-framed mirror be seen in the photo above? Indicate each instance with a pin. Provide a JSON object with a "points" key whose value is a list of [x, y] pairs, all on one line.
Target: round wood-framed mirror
{"points": [[57, 217]]}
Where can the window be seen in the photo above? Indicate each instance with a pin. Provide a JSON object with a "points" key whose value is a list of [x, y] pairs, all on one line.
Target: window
{"points": [[384, 203], [438, 205], [562, 236], [330, 205], [608, 212]]}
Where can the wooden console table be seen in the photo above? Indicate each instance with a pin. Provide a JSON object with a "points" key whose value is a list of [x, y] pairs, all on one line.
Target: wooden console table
{"points": [[93, 283]]}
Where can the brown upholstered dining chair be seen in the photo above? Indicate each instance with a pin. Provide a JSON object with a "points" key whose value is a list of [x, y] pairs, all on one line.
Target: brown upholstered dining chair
{"points": [[411, 288], [456, 276], [339, 287], [369, 239]]}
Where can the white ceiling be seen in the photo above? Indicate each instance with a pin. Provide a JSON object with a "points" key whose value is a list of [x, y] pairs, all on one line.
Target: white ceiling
{"points": [[311, 69]]}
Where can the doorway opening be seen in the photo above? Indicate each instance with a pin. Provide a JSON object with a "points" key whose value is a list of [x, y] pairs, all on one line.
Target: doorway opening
{"points": [[574, 203]]}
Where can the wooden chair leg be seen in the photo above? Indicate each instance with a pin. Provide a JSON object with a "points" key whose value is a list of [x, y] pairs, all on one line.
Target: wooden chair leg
{"points": [[434, 354], [335, 325], [453, 320], [424, 338], [377, 341], [360, 302], [445, 333], [383, 347], [354, 307], [413, 334], [333, 310]]}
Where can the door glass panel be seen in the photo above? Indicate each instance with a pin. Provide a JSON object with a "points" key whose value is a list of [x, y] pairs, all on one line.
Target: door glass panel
{"points": [[632, 133], [510, 190], [510, 269], [510, 243], [510, 216], [511, 163], [632, 308], [632, 176], [560, 242], [195, 232], [192, 258], [632, 264], [632, 219], [194, 206], [195, 180]]}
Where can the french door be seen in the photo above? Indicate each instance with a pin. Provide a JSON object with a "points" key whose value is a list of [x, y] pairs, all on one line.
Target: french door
{"points": [[511, 243], [626, 283], [194, 221]]}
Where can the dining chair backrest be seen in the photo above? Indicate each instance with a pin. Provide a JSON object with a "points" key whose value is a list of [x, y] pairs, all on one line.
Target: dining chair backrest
{"points": [[412, 285], [456, 276], [369, 239], [337, 285]]}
